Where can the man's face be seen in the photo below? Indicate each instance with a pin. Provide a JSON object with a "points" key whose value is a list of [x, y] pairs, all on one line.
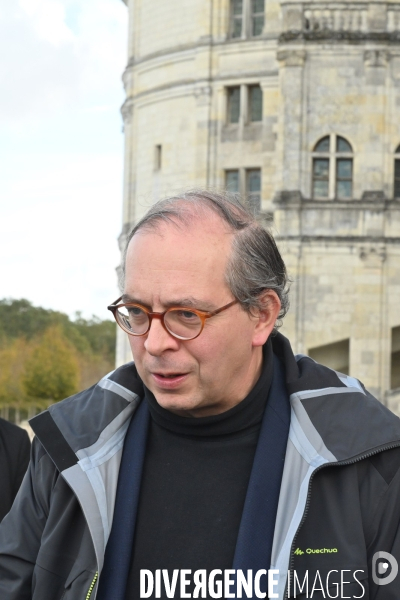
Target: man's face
{"points": [[186, 266]]}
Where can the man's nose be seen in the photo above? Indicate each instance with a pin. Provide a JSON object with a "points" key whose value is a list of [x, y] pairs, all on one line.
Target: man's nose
{"points": [[158, 340]]}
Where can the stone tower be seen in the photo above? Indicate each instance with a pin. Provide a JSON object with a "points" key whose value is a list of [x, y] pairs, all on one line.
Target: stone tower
{"points": [[296, 105]]}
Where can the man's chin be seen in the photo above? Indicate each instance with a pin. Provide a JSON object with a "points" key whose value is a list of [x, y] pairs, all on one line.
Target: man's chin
{"points": [[186, 407], [178, 405]]}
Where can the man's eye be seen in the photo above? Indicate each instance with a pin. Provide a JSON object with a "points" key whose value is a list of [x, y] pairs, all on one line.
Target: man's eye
{"points": [[187, 314], [135, 311]]}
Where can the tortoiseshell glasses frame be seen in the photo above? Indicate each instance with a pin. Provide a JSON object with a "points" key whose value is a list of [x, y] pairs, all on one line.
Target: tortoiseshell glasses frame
{"points": [[181, 315]]}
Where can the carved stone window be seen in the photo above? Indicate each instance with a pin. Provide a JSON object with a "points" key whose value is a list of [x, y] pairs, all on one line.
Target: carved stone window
{"points": [[257, 17], [157, 157], [236, 25], [247, 182], [332, 169], [232, 180], [255, 103], [253, 189], [246, 18], [244, 104], [397, 173], [233, 97]]}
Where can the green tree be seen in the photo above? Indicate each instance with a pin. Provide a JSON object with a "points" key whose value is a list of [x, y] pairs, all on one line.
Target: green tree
{"points": [[31, 375], [12, 359], [52, 370], [18, 318], [101, 335]]}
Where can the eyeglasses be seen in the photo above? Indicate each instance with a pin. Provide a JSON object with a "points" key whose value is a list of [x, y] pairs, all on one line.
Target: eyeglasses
{"points": [[181, 322]]}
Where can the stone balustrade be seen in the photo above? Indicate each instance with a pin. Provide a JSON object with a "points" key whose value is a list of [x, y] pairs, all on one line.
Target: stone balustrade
{"points": [[335, 19], [338, 17]]}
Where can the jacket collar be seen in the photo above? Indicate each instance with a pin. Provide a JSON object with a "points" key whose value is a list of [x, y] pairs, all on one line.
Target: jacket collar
{"points": [[336, 407], [345, 416]]}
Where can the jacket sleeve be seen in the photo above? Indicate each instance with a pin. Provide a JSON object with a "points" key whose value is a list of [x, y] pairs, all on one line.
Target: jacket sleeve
{"points": [[386, 538], [21, 530]]}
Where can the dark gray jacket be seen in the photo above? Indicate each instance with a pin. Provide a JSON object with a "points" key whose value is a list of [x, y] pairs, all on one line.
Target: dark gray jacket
{"points": [[339, 500], [14, 459]]}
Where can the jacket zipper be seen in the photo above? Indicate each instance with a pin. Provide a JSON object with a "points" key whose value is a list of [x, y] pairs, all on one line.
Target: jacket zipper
{"points": [[90, 590], [337, 464]]}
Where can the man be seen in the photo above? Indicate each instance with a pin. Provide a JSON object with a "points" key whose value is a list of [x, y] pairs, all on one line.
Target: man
{"points": [[14, 460], [217, 455]]}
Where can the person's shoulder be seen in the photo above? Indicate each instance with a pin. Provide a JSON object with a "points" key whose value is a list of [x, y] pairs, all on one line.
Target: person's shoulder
{"points": [[14, 438], [336, 410], [123, 382], [348, 417], [307, 378], [82, 417], [12, 431], [324, 385]]}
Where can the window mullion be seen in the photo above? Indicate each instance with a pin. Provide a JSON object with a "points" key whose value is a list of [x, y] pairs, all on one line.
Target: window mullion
{"points": [[333, 142]]}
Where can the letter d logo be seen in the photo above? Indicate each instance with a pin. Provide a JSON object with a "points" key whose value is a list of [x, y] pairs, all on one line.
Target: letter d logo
{"points": [[380, 568]]}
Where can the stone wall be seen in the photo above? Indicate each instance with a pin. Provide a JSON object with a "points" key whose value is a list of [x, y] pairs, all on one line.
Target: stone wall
{"points": [[326, 68]]}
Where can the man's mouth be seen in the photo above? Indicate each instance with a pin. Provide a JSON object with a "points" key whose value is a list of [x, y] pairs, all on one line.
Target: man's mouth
{"points": [[169, 380], [169, 375]]}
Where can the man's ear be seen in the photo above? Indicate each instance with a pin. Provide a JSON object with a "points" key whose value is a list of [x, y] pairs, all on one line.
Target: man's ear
{"points": [[266, 316]]}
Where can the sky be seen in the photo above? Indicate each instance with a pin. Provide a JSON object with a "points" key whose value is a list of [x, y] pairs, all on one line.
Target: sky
{"points": [[61, 151]]}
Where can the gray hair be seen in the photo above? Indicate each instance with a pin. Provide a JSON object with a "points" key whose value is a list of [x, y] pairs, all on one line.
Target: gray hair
{"points": [[255, 264]]}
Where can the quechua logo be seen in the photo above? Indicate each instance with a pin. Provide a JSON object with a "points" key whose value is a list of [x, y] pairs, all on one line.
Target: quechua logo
{"points": [[299, 552]]}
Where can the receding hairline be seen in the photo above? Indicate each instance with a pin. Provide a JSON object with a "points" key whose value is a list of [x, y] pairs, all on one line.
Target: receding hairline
{"points": [[185, 212], [186, 215]]}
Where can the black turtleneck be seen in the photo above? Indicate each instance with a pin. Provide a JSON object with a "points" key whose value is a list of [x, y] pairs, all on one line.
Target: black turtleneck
{"points": [[194, 484]]}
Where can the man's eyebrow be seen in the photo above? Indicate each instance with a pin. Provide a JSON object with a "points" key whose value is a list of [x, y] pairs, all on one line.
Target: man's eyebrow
{"points": [[191, 302], [188, 301], [127, 299]]}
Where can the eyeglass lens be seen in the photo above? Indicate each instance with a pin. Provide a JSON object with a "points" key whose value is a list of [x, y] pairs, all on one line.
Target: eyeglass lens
{"points": [[185, 324]]}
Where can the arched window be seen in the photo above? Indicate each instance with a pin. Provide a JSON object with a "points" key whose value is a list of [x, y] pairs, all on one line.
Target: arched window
{"points": [[397, 173], [332, 169]]}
